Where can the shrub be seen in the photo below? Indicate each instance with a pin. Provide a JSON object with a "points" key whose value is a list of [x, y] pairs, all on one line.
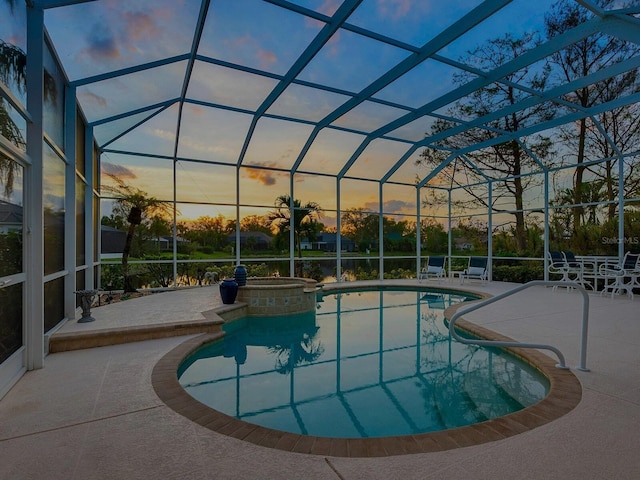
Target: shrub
{"points": [[517, 273]]}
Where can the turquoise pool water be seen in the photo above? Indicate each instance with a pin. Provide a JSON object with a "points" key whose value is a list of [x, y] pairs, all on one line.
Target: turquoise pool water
{"points": [[364, 364]]}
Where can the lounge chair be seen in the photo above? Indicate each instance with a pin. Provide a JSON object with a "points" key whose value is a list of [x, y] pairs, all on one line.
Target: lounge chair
{"points": [[434, 300], [433, 268], [477, 269], [615, 277]]}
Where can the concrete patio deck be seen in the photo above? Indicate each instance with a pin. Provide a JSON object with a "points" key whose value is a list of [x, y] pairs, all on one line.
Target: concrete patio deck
{"points": [[93, 413]]}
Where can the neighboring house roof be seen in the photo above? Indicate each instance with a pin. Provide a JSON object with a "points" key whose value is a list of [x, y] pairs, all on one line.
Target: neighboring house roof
{"points": [[331, 237], [259, 236], [10, 213]]}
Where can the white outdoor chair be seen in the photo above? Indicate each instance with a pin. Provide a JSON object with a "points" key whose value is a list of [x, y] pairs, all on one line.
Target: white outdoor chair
{"points": [[477, 269], [623, 277], [558, 265], [435, 267]]}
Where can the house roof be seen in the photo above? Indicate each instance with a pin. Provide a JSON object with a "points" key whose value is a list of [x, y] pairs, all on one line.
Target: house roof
{"points": [[257, 235], [10, 213]]}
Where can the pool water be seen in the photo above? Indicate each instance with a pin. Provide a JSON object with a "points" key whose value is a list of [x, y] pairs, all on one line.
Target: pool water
{"points": [[364, 364]]}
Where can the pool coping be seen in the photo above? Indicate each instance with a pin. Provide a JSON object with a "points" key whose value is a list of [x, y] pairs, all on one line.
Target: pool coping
{"points": [[565, 393]]}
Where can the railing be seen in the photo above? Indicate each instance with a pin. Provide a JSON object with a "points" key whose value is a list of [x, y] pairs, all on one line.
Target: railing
{"points": [[493, 343]]}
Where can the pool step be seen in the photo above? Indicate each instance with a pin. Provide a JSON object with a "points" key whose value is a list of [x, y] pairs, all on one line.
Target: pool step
{"points": [[64, 342]]}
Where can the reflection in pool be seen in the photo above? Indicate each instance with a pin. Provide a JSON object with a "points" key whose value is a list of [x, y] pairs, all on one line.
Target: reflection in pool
{"points": [[365, 364]]}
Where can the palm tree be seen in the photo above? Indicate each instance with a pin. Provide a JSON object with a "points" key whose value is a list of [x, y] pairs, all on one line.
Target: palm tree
{"points": [[304, 218], [137, 203], [304, 350], [13, 69]]}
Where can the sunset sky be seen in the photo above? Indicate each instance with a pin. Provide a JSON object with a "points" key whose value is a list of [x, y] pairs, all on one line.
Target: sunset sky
{"points": [[262, 41]]}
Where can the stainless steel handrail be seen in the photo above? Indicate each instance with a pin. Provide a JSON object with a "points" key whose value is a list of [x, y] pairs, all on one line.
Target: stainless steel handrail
{"points": [[494, 343]]}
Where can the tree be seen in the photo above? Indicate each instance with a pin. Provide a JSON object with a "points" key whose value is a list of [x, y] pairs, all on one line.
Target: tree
{"points": [[623, 127], [361, 227], [305, 218], [255, 223], [13, 71], [210, 232], [158, 226], [506, 161], [13, 68], [399, 235], [589, 55], [136, 206], [433, 236]]}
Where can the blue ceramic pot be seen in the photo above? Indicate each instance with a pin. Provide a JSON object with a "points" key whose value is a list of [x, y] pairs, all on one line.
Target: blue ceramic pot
{"points": [[240, 275], [228, 291]]}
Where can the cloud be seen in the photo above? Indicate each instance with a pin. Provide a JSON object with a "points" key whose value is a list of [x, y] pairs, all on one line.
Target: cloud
{"points": [[266, 58], [395, 206], [90, 98], [195, 109], [139, 26], [265, 177], [329, 7], [333, 44], [119, 171], [398, 206], [395, 9], [102, 44], [164, 134], [238, 42], [107, 40], [201, 146]]}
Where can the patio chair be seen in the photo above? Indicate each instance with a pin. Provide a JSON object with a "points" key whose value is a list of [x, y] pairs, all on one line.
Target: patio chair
{"points": [[578, 269], [433, 268], [477, 269], [615, 277], [558, 265]]}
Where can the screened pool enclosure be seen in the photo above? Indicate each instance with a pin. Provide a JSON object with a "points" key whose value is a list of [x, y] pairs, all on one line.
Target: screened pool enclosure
{"points": [[338, 140]]}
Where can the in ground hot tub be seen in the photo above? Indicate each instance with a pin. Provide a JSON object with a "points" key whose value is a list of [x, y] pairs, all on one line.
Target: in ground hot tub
{"points": [[266, 296]]}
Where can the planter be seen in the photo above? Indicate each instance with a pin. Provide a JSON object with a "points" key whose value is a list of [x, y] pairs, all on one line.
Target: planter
{"points": [[240, 275], [228, 291], [86, 300]]}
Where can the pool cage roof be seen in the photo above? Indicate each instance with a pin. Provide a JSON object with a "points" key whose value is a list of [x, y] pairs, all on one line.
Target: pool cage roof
{"points": [[346, 89]]}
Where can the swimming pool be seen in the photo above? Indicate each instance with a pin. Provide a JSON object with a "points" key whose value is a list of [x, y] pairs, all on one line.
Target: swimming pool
{"points": [[365, 364]]}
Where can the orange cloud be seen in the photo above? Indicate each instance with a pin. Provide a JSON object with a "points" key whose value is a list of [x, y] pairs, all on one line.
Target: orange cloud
{"points": [[239, 41], [265, 177], [139, 25], [266, 58], [119, 171]]}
